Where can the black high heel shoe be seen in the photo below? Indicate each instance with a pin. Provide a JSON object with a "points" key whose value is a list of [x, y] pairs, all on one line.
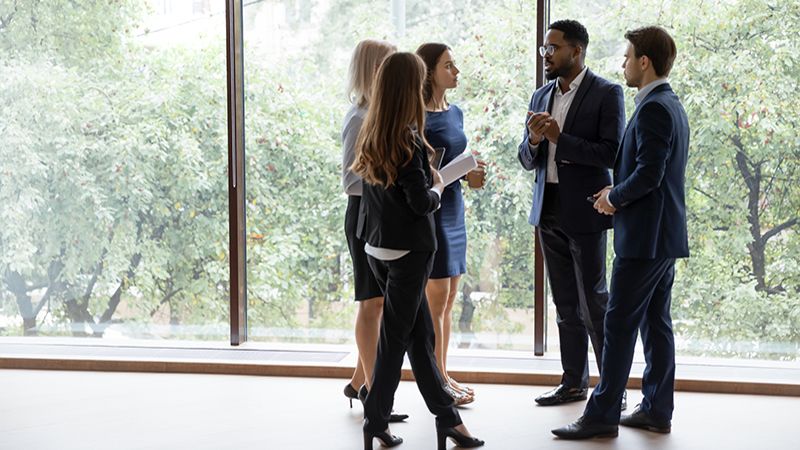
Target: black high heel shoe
{"points": [[393, 418], [388, 440], [351, 393], [461, 439]]}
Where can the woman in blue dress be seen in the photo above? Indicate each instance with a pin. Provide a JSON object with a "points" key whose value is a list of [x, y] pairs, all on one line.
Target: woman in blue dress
{"points": [[444, 128]]}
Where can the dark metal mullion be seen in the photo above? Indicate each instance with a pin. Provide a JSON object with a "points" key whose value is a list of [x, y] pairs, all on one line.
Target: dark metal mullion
{"points": [[236, 185], [539, 305]]}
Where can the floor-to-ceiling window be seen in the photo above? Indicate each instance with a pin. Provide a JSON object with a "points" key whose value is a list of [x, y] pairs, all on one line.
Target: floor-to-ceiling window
{"points": [[736, 72], [296, 56], [113, 142], [113, 207]]}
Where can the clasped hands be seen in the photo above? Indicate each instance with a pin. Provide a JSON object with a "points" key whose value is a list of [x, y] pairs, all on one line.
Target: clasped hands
{"points": [[601, 203], [542, 126]]}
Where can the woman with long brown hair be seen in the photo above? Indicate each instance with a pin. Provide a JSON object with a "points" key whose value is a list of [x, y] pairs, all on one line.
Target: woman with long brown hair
{"points": [[400, 193], [444, 128], [367, 58]]}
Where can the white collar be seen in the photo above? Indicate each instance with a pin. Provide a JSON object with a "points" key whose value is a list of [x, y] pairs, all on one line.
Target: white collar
{"points": [[575, 83], [643, 92]]}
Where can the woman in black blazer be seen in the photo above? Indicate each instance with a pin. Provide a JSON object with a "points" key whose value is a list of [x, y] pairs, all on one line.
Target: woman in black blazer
{"points": [[400, 193]]}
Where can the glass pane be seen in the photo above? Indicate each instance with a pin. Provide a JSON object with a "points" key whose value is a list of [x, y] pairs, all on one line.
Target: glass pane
{"points": [[736, 73], [296, 57], [113, 198]]}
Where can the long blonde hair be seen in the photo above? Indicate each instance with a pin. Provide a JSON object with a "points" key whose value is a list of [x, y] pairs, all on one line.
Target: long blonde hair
{"points": [[394, 121], [367, 57]]}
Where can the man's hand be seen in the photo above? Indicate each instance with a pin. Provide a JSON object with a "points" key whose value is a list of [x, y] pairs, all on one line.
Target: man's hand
{"points": [[552, 132], [537, 124], [601, 202]]}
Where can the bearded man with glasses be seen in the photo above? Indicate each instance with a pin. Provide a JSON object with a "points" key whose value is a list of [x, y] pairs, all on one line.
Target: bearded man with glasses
{"points": [[573, 128]]}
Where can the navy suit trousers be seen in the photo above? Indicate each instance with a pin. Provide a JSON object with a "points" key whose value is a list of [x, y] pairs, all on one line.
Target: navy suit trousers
{"points": [[576, 267], [639, 301]]}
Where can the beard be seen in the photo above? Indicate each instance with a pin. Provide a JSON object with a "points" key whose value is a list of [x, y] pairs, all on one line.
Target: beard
{"points": [[558, 72], [630, 82]]}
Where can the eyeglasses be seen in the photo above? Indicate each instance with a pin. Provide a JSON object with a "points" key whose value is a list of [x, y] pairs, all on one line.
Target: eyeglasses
{"points": [[548, 50]]}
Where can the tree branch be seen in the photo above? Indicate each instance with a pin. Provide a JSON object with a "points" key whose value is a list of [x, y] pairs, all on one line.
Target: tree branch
{"points": [[775, 230], [56, 286], [164, 300], [6, 21], [116, 297]]}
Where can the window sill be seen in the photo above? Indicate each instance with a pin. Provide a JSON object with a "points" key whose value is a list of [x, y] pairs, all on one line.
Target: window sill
{"points": [[337, 361]]}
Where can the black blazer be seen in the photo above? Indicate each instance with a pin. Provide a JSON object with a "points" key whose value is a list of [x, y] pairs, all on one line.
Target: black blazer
{"points": [[586, 150], [400, 217], [650, 179]]}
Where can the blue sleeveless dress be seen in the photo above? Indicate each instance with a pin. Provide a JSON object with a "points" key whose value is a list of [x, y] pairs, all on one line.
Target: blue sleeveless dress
{"points": [[446, 129]]}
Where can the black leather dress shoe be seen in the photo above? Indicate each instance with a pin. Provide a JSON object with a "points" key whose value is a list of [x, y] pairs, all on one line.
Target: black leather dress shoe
{"points": [[583, 429], [562, 394], [641, 419]]}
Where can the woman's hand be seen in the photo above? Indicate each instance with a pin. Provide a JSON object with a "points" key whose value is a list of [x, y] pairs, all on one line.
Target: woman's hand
{"points": [[476, 178], [437, 180]]}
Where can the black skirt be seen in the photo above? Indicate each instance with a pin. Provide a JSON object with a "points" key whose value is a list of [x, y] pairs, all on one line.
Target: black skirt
{"points": [[366, 286]]}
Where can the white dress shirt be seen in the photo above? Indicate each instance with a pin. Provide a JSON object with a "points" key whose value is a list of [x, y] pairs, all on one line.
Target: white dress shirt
{"points": [[561, 103]]}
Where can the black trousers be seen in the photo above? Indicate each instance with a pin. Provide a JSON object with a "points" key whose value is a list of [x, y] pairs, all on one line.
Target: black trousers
{"points": [[576, 268], [406, 327], [641, 295]]}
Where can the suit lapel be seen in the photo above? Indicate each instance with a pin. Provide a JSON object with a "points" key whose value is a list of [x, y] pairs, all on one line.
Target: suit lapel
{"points": [[550, 96], [583, 89], [544, 145]]}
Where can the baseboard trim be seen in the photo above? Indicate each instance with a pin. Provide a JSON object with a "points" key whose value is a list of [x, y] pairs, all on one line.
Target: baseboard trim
{"points": [[337, 371]]}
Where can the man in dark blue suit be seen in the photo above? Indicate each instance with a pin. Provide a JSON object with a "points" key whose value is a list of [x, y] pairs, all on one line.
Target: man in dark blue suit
{"points": [[649, 210], [573, 129]]}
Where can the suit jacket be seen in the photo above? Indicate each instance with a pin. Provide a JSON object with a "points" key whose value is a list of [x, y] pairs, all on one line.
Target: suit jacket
{"points": [[650, 179], [400, 217], [585, 152]]}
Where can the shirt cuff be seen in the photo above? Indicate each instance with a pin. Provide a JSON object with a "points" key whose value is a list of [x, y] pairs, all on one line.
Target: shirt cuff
{"points": [[438, 194]]}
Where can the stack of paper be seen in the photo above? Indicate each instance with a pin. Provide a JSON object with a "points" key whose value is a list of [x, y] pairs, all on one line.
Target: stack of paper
{"points": [[458, 167]]}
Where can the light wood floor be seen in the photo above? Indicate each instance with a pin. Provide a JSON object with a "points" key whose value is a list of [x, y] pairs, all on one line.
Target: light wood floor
{"points": [[96, 410]]}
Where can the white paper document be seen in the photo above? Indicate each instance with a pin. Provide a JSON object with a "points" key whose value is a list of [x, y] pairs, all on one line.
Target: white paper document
{"points": [[458, 167]]}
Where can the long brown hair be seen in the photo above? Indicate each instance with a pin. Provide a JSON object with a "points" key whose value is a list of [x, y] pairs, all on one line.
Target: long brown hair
{"points": [[430, 53], [394, 121]]}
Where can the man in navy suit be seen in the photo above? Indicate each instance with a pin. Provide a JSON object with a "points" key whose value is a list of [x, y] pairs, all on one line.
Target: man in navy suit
{"points": [[649, 210], [573, 129]]}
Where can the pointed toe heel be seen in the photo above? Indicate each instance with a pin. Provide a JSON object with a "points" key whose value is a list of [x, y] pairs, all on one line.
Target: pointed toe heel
{"points": [[387, 440], [461, 439]]}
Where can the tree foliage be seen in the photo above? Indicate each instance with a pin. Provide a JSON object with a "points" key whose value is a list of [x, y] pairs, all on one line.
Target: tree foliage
{"points": [[113, 198]]}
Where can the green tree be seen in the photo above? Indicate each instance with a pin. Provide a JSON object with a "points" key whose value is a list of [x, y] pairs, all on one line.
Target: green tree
{"points": [[736, 71], [118, 157]]}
